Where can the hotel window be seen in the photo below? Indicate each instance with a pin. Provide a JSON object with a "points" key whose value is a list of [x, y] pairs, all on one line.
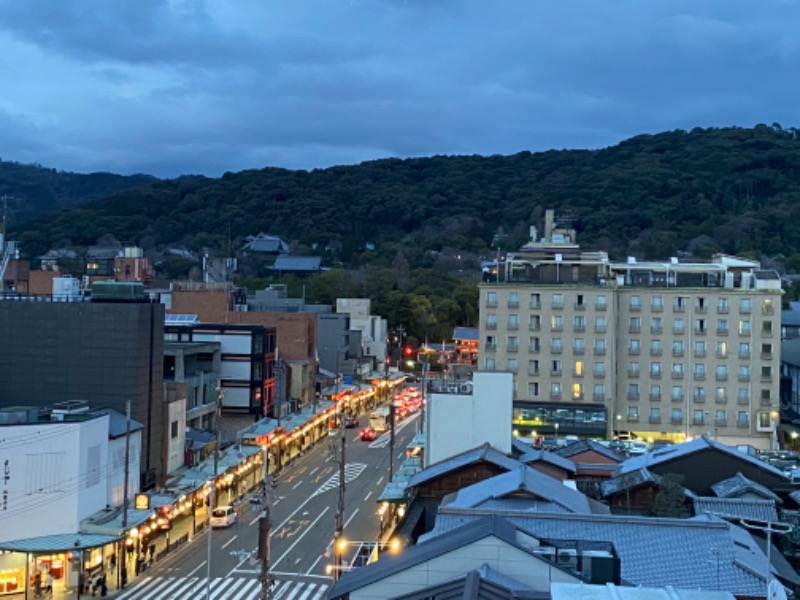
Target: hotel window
{"points": [[599, 391], [533, 344], [600, 302], [744, 350], [766, 351], [557, 322], [678, 303], [533, 367], [491, 298], [579, 323], [766, 372], [577, 390], [489, 363], [700, 349], [678, 326], [599, 347], [555, 367], [633, 369], [655, 369], [677, 415], [656, 348], [677, 393], [534, 322], [742, 418], [722, 372], [579, 368], [513, 299], [655, 391], [533, 390], [764, 421], [699, 371], [599, 369], [656, 325], [555, 389], [719, 394], [721, 417], [580, 301], [558, 300], [513, 321], [513, 343], [677, 370], [535, 301], [556, 345], [655, 414], [511, 365], [578, 346], [633, 413], [744, 372], [700, 304], [677, 348], [656, 303], [746, 305], [633, 391], [698, 417], [635, 324], [766, 396], [699, 394], [723, 305], [722, 327], [768, 307], [744, 327], [722, 349], [700, 326], [636, 303], [600, 324], [491, 321], [633, 346], [743, 396]]}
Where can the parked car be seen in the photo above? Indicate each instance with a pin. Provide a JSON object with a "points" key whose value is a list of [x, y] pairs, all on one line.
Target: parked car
{"points": [[636, 448], [367, 434]]}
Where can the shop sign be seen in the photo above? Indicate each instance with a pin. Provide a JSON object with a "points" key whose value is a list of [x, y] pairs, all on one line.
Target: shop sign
{"points": [[141, 502]]}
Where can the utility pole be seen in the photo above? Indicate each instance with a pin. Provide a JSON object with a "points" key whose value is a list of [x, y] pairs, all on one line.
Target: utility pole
{"points": [[339, 525], [264, 529], [122, 572], [391, 439], [212, 503], [768, 527]]}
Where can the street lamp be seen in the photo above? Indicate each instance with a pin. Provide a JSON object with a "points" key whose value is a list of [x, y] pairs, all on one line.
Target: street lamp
{"points": [[556, 428], [367, 553]]}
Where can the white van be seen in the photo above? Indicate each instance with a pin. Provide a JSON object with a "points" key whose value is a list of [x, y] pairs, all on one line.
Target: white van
{"points": [[223, 516]]}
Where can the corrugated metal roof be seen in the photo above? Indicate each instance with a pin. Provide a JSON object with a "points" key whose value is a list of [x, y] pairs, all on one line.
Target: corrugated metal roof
{"points": [[466, 333], [297, 263]]}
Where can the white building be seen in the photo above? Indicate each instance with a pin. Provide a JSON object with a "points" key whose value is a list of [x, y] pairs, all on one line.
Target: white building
{"points": [[374, 330], [455, 423]]}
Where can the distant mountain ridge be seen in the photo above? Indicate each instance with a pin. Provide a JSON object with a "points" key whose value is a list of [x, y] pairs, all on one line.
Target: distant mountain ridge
{"points": [[733, 190]]}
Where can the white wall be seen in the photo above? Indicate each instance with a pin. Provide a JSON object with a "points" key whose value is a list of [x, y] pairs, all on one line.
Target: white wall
{"points": [[54, 469], [116, 472], [456, 423], [176, 411]]}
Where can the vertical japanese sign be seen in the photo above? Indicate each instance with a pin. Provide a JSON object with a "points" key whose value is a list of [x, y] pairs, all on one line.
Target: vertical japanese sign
{"points": [[6, 479]]}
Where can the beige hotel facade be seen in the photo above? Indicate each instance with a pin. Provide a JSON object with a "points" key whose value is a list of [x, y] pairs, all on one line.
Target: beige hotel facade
{"points": [[669, 350]]}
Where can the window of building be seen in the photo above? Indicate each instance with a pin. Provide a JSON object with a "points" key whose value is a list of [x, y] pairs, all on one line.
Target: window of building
{"points": [[555, 367], [633, 391], [579, 368], [491, 298], [677, 369], [656, 303], [720, 417], [766, 396], [513, 343], [633, 413], [599, 346], [768, 306], [744, 327], [699, 371], [700, 304], [766, 350], [699, 394], [558, 300], [556, 345], [677, 415], [577, 391], [722, 327], [556, 322], [656, 325], [600, 323], [677, 393], [633, 346], [173, 429], [700, 348], [677, 348], [533, 390], [723, 305], [743, 395], [636, 303], [764, 421], [513, 321], [489, 363], [579, 345], [744, 350], [655, 391], [678, 303], [698, 417], [580, 301], [722, 372], [513, 299], [599, 369], [744, 373], [491, 321], [534, 322], [719, 394], [742, 418], [633, 369], [656, 348], [745, 305], [722, 349], [655, 369], [766, 372], [655, 414], [700, 326], [535, 301], [600, 302], [533, 367], [599, 391], [555, 389], [678, 326], [534, 344], [511, 365], [635, 324]]}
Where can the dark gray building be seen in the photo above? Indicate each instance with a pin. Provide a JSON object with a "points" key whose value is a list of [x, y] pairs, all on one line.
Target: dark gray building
{"points": [[104, 352]]}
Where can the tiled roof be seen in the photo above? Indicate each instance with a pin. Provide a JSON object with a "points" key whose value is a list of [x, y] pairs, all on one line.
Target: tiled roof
{"points": [[412, 556], [739, 484], [517, 484], [548, 457], [664, 455], [588, 446], [653, 551], [628, 481], [117, 422], [482, 453], [297, 263], [736, 508]]}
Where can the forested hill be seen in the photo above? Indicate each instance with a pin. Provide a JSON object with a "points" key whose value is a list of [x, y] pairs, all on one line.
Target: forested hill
{"points": [[33, 190], [733, 190]]}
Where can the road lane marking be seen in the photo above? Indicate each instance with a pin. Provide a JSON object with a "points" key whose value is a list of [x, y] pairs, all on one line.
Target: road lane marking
{"points": [[379, 480], [368, 495], [200, 566], [314, 522], [292, 575], [346, 523], [297, 485], [314, 470], [229, 542]]}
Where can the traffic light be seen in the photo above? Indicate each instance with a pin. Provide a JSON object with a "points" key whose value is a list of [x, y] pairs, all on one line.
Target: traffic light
{"points": [[408, 351]]}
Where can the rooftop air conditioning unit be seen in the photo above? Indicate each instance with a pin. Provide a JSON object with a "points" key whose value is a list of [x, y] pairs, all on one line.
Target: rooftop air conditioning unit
{"points": [[567, 558]]}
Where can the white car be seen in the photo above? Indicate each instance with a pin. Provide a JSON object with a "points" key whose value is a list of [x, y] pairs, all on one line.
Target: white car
{"points": [[223, 516], [636, 448]]}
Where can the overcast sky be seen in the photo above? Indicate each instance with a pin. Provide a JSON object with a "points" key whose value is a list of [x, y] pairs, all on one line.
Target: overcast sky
{"points": [[204, 87]]}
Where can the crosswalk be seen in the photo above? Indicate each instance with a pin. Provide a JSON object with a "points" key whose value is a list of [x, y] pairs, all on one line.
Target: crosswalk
{"points": [[351, 471], [222, 588]]}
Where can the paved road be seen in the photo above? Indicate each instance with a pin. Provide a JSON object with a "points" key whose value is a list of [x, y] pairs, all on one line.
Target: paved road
{"points": [[306, 498]]}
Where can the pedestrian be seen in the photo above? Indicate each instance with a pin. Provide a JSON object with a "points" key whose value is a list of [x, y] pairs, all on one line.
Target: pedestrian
{"points": [[112, 562], [48, 583], [123, 576], [81, 583], [152, 550], [103, 586], [37, 585]]}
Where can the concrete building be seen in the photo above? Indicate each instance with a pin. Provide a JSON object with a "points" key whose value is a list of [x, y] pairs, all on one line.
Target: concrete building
{"points": [[670, 350], [106, 352], [374, 329]]}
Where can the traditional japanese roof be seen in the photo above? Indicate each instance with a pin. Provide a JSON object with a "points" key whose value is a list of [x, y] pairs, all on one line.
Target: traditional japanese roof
{"points": [[551, 458], [422, 552], [628, 481], [267, 244], [700, 553], [297, 263], [664, 455], [483, 582], [587, 445], [739, 484], [736, 508], [523, 488], [482, 453]]}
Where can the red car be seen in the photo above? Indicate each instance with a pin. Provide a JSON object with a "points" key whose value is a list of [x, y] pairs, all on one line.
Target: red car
{"points": [[367, 434]]}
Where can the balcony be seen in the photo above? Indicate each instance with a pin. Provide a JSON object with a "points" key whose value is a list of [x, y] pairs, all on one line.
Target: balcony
{"points": [[490, 347], [677, 374], [676, 398], [765, 401], [579, 306], [722, 332], [556, 349], [579, 327], [699, 353], [558, 305], [556, 372], [534, 326], [656, 307], [555, 396], [720, 399], [699, 376], [513, 304], [677, 352], [633, 397], [579, 351], [633, 351], [600, 328], [766, 356], [658, 330], [577, 398], [535, 305], [577, 374], [512, 348], [721, 376], [698, 399], [745, 332], [719, 422], [766, 377], [600, 306], [676, 420], [743, 400], [655, 374], [491, 325], [745, 310], [598, 397], [678, 308], [633, 418], [533, 349], [635, 308], [723, 310], [655, 397], [557, 327], [634, 328], [512, 325], [678, 330], [656, 351], [533, 371], [766, 333], [700, 330], [743, 354], [599, 374], [599, 351], [633, 373], [743, 424], [767, 310], [701, 310], [698, 421], [719, 354], [655, 420]]}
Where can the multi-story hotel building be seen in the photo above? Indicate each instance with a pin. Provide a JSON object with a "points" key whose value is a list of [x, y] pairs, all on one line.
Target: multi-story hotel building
{"points": [[668, 350]]}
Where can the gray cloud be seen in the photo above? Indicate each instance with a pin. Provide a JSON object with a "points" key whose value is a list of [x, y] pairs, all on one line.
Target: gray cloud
{"points": [[183, 86]]}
